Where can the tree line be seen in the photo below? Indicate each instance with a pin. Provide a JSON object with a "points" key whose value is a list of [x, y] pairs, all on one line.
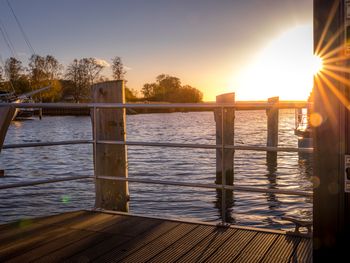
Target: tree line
{"points": [[73, 83]]}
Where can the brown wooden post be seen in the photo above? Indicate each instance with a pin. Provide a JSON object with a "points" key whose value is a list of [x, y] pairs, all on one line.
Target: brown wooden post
{"points": [[6, 116], [110, 160], [225, 134], [272, 123], [331, 211]]}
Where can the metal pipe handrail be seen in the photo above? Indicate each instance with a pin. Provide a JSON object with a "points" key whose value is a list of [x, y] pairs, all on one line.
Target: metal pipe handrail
{"points": [[209, 146], [47, 181], [161, 182], [163, 144], [257, 105], [210, 186], [39, 144]]}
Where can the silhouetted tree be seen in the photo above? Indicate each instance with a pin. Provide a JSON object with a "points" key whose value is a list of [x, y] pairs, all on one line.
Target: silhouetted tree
{"points": [[13, 69], [168, 88], [44, 71], [83, 74], [14, 72], [118, 68]]}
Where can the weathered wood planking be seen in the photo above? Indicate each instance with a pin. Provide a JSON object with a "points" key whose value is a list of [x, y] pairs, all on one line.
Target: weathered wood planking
{"points": [[101, 237]]}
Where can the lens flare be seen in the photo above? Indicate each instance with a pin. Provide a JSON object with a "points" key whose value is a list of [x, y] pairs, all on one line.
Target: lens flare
{"points": [[317, 64]]}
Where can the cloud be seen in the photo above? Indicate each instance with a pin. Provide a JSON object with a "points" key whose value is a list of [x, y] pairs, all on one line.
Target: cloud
{"points": [[102, 62]]}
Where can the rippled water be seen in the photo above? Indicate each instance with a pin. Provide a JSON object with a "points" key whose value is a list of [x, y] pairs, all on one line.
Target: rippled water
{"points": [[291, 171]]}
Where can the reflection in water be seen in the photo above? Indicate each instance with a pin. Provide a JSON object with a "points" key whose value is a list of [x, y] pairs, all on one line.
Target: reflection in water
{"points": [[228, 205], [253, 169], [271, 164]]}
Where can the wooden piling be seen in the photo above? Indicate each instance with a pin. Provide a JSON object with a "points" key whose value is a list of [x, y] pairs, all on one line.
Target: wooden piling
{"points": [[272, 122], [331, 137], [6, 116], [225, 134], [110, 160]]}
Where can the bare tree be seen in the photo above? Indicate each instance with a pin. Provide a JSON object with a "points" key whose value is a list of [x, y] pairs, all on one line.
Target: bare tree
{"points": [[118, 68], [13, 69], [14, 72], [45, 71], [83, 73]]}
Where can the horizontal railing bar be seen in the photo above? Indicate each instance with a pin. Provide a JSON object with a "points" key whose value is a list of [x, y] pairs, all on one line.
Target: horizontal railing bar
{"points": [[48, 181], [210, 186], [161, 144], [37, 144], [209, 146], [258, 105]]}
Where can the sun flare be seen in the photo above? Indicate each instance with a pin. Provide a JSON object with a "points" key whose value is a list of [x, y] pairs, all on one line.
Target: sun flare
{"points": [[284, 68], [317, 64]]}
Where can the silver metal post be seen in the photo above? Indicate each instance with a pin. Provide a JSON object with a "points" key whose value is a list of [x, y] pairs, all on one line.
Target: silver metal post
{"points": [[223, 174], [95, 141]]}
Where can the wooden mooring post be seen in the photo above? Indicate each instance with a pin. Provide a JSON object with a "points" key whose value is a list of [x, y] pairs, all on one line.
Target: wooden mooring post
{"points": [[6, 116], [110, 159], [224, 119], [331, 136], [272, 130], [272, 122]]}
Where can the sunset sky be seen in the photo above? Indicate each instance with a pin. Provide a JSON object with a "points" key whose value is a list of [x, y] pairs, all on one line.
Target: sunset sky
{"points": [[256, 48]]}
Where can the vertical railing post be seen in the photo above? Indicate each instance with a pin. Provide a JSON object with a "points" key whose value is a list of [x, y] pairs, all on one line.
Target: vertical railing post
{"points": [[272, 122], [272, 131], [6, 116], [110, 160], [224, 118]]}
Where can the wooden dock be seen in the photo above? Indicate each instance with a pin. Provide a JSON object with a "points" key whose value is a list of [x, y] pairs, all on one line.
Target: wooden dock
{"points": [[85, 236]]}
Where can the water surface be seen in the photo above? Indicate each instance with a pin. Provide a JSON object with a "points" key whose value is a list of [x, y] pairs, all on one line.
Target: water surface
{"points": [[290, 170]]}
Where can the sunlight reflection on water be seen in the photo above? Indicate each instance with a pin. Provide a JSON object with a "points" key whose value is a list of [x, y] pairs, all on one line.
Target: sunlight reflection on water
{"points": [[292, 171]]}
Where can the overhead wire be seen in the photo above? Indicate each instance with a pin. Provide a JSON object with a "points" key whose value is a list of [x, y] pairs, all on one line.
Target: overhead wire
{"points": [[7, 39], [26, 39]]}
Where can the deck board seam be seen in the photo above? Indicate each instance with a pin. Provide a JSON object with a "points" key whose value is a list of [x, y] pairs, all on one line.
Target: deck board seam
{"points": [[195, 241], [113, 235], [223, 241], [267, 251], [176, 225], [172, 243], [242, 249]]}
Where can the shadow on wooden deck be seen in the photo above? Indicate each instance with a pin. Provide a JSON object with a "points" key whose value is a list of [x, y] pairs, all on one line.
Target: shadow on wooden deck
{"points": [[85, 236]]}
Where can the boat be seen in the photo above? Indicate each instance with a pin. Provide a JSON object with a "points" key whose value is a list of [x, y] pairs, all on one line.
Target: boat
{"points": [[21, 113], [303, 128]]}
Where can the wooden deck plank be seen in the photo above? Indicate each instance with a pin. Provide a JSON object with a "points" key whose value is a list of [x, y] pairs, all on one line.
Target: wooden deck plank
{"points": [[153, 248], [115, 248], [90, 253], [30, 242], [30, 227], [232, 247], [207, 246], [256, 248], [74, 248], [283, 249], [183, 245], [103, 237], [302, 253], [146, 252], [30, 238], [52, 246]]}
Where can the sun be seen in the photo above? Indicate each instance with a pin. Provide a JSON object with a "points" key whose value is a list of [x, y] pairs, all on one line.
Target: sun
{"points": [[317, 64], [284, 68]]}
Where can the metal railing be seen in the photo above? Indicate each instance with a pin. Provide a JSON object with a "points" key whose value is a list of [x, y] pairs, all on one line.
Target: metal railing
{"points": [[209, 106]]}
